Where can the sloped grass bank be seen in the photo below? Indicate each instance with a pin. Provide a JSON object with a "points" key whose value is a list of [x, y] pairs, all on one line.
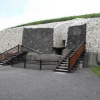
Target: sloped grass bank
{"points": [[96, 70]]}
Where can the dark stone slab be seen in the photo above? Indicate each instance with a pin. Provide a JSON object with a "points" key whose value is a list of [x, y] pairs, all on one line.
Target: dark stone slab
{"points": [[76, 35], [90, 59], [40, 39], [98, 58]]}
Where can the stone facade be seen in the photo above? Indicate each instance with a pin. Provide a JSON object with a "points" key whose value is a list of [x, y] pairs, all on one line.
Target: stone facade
{"points": [[93, 35], [10, 38], [45, 36], [60, 34]]}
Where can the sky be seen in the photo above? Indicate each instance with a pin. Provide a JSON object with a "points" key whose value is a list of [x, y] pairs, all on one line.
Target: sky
{"points": [[17, 12]]}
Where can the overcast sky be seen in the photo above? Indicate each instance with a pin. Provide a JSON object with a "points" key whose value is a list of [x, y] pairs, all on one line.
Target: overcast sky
{"points": [[16, 12]]}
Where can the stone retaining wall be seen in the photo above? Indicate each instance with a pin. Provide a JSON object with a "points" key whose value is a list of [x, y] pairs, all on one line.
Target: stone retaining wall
{"points": [[58, 32], [10, 38], [93, 35]]}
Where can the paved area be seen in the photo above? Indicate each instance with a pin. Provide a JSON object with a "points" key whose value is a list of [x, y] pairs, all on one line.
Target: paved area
{"points": [[32, 84]]}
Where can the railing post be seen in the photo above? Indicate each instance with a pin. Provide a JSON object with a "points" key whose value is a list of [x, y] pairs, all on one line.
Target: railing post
{"points": [[40, 64], [18, 47], [69, 65], [12, 62], [25, 62]]}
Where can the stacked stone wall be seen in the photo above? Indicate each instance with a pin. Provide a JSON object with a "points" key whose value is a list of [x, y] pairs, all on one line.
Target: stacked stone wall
{"points": [[93, 35], [60, 34], [10, 38]]}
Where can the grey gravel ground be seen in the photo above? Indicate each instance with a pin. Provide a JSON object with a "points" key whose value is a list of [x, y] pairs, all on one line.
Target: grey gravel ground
{"points": [[32, 84]]}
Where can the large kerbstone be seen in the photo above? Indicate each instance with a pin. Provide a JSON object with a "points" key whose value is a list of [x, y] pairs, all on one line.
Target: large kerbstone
{"points": [[43, 57], [98, 58], [90, 59], [40, 39], [76, 35]]}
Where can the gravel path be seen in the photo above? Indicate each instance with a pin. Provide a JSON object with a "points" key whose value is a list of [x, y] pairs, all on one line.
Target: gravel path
{"points": [[32, 84]]}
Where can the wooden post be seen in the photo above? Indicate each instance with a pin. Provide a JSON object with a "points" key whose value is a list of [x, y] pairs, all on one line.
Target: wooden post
{"points": [[25, 62], [18, 47], [69, 70], [12, 62], [40, 64]]}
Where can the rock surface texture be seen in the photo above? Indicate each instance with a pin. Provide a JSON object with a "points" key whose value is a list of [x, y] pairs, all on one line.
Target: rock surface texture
{"points": [[40, 39], [10, 38], [76, 35]]}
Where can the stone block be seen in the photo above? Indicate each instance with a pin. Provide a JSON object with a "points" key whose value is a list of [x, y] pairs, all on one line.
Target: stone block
{"points": [[76, 35], [40, 39], [90, 59]]}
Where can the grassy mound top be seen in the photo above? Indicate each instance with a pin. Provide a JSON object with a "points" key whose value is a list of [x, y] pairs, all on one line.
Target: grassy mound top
{"points": [[61, 19]]}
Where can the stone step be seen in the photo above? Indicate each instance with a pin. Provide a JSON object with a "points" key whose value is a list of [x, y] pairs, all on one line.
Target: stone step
{"points": [[61, 67], [63, 64], [5, 60], [61, 70], [65, 61], [1, 63], [11, 57], [66, 65]]}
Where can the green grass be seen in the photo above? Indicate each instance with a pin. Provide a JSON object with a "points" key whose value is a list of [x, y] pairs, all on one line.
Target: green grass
{"points": [[96, 70], [61, 19]]}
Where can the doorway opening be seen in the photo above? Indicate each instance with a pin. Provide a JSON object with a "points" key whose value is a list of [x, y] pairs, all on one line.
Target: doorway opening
{"points": [[58, 50]]}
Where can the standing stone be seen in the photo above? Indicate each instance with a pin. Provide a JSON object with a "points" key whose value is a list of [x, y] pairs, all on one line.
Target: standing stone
{"points": [[40, 39]]}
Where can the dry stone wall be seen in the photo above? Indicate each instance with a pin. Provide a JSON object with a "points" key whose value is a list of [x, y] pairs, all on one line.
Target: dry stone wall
{"points": [[93, 35], [52, 35], [60, 34], [10, 38]]}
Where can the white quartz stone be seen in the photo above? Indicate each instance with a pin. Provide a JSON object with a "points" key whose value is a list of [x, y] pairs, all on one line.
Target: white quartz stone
{"points": [[12, 37]]}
